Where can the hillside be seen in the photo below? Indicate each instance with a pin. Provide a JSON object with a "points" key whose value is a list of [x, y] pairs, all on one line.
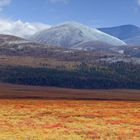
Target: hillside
{"points": [[29, 63]]}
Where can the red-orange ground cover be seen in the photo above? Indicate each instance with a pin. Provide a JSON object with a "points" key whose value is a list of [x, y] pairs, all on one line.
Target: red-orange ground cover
{"points": [[69, 120]]}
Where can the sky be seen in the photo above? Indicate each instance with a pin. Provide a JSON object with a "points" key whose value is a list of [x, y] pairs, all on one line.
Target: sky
{"points": [[25, 17]]}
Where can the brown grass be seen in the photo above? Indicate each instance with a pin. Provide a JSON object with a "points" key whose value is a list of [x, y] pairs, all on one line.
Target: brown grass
{"points": [[33, 119], [19, 91]]}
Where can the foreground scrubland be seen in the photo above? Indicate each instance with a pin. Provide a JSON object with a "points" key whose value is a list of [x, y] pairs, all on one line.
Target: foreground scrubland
{"points": [[29, 119]]}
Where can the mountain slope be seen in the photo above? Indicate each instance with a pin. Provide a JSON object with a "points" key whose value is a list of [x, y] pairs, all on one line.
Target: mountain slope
{"points": [[133, 40], [71, 34], [122, 32], [29, 63], [9, 38]]}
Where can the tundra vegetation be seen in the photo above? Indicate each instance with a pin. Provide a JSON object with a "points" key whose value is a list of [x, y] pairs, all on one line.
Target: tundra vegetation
{"points": [[63, 119]]}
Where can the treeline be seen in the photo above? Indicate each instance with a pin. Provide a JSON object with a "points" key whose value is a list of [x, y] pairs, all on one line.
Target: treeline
{"points": [[118, 75]]}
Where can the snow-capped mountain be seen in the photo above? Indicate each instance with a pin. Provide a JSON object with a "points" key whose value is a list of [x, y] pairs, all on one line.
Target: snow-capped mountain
{"points": [[75, 35], [122, 32]]}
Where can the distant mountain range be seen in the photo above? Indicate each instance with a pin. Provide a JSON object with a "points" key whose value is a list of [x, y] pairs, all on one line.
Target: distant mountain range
{"points": [[70, 55], [78, 36], [133, 41], [128, 33], [72, 35]]}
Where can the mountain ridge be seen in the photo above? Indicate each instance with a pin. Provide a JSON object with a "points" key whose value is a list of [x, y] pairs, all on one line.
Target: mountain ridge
{"points": [[128, 33]]}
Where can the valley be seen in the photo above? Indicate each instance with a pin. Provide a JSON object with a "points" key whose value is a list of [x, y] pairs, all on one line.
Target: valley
{"points": [[69, 70]]}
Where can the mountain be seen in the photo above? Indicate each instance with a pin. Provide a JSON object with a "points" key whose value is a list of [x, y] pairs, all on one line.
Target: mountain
{"points": [[30, 63], [13, 45], [133, 41], [122, 32], [75, 35], [10, 41], [16, 46]]}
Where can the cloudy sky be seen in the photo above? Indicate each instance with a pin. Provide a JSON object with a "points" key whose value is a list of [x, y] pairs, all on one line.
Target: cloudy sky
{"points": [[25, 17]]}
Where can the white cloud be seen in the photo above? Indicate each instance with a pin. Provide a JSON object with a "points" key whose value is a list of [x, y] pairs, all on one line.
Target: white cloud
{"points": [[20, 28], [4, 3], [58, 1], [138, 2]]}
